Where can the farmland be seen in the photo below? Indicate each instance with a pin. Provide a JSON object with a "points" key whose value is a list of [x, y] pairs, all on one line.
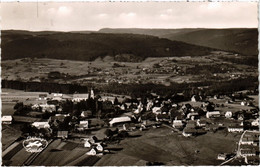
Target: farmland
{"points": [[102, 71], [162, 145]]}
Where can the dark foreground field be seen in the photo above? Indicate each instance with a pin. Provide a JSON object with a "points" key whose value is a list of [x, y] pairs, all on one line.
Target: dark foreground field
{"points": [[162, 145]]}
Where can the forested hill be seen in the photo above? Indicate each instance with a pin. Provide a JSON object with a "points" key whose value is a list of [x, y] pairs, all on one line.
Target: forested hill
{"points": [[240, 40], [89, 46]]}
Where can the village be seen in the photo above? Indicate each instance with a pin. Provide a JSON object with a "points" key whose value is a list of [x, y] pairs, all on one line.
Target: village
{"points": [[91, 124]]}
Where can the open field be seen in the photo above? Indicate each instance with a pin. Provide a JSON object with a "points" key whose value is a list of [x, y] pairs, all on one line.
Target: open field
{"points": [[9, 134], [7, 108], [58, 157], [162, 145]]}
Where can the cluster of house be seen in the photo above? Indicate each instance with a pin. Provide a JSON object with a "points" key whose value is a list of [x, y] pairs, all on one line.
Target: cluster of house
{"points": [[249, 147], [95, 147]]}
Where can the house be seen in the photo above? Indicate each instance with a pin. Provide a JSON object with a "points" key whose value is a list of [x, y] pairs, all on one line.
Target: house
{"points": [[177, 124], [7, 119], [248, 152], [235, 128], [42, 96], [62, 134], [156, 110], [79, 97], [193, 115], [201, 123], [119, 120], [247, 140], [99, 147], [222, 156], [93, 139], [93, 151], [83, 125], [189, 132], [255, 122], [195, 98], [40, 125], [213, 114], [87, 143], [228, 114], [48, 107]]}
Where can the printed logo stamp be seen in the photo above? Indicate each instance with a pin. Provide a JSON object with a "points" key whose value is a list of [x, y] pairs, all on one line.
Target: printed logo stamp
{"points": [[34, 144]]}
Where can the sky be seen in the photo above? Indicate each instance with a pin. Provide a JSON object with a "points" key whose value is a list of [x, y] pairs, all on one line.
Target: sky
{"points": [[77, 16]]}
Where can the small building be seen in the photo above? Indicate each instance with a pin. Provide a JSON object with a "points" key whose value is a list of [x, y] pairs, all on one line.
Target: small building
{"points": [[93, 151], [201, 123], [247, 140], [87, 143], [83, 125], [7, 119], [48, 107], [255, 122], [222, 156], [234, 128], [80, 97], [213, 114], [119, 120], [100, 147], [40, 125], [42, 96], [189, 132], [193, 115], [177, 124], [62, 134], [228, 114], [195, 98], [86, 114], [93, 139], [156, 110], [246, 153]]}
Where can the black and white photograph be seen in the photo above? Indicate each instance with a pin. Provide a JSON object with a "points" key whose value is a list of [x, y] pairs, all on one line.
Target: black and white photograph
{"points": [[129, 83]]}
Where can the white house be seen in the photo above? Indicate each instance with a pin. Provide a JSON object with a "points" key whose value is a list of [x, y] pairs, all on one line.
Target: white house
{"points": [[83, 125], [156, 110], [87, 143], [40, 125], [93, 151], [228, 114], [119, 120], [80, 97], [48, 107], [235, 129], [177, 124], [212, 114], [255, 122], [222, 156], [99, 147], [7, 119], [201, 123]]}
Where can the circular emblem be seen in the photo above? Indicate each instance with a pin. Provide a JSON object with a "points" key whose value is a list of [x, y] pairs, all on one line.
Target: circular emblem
{"points": [[34, 144]]}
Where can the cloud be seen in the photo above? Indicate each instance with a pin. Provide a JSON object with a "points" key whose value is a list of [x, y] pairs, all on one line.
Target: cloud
{"points": [[94, 15]]}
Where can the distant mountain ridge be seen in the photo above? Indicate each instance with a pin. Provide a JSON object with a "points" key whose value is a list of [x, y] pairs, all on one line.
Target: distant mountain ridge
{"points": [[89, 46], [239, 40]]}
